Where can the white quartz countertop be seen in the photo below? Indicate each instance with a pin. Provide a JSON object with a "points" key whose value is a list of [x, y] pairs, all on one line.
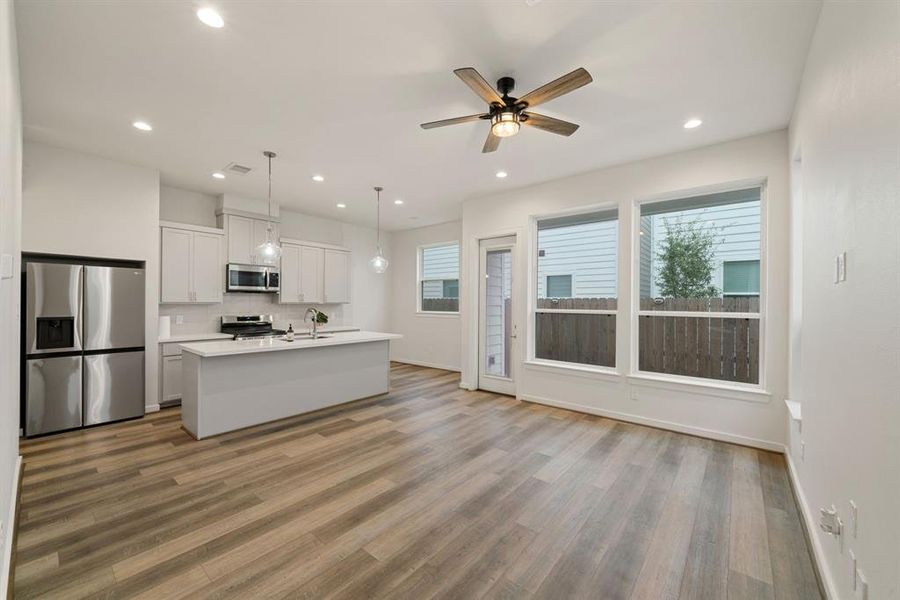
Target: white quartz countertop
{"points": [[194, 337], [232, 347]]}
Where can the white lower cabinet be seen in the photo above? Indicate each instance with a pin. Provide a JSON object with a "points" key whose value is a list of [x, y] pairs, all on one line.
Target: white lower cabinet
{"points": [[171, 378], [314, 275]]}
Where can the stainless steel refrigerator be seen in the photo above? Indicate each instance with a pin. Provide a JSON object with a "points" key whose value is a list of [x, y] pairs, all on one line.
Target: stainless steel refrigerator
{"points": [[83, 345]]}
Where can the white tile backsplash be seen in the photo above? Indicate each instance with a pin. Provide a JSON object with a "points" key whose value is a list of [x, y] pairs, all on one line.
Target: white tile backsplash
{"points": [[207, 318]]}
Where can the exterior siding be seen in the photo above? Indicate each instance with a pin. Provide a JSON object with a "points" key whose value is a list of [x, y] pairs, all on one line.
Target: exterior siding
{"points": [[589, 252], [738, 227], [438, 263]]}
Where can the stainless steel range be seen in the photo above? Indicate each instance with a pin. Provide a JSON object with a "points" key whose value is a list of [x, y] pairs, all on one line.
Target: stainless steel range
{"points": [[246, 327]]}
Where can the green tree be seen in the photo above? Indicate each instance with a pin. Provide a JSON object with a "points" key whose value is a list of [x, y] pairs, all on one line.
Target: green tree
{"points": [[687, 261]]}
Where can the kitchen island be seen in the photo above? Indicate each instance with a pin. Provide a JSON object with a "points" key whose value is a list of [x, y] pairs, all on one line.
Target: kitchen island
{"points": [[229, 385]]}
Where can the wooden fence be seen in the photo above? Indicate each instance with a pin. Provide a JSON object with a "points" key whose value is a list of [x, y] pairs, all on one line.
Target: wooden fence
{"points": [[709, 347], [714, 348], [578, 338], [440, 304]]}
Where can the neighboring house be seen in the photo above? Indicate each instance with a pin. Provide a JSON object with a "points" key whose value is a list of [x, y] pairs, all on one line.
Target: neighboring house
{"points": [[581, 260], [578, 261], [736, 252], [440, 271]]}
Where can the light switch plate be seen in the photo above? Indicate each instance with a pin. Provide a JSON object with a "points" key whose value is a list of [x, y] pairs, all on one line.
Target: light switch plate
{"points": [[6, 266]]}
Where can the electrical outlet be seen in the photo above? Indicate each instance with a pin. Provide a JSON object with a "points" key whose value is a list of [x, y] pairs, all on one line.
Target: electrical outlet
{"points": [[854, 519], [840, 267], [179, 319]]}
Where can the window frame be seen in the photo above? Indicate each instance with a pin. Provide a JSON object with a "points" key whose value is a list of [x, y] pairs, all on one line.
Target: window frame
{"points": [[419, 279], [531, 360], [726, 262], [635, 272]]}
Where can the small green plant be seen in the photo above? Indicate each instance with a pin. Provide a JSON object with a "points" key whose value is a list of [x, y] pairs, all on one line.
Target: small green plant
{"points": [[687, 258], [318, 316]]}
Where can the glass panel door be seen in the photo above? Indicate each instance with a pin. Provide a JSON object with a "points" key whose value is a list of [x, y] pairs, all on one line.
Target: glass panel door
{"points": [[497, 331]]}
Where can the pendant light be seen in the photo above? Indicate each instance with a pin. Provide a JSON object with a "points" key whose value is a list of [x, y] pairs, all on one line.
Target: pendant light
{"points": [[269, 252], [378, 263]]}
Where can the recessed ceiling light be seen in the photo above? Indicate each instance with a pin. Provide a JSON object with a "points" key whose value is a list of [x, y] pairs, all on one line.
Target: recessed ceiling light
{"points": [[501, 174], [210, 17], [341, 205], [398, 201], [318, 178], [692, 123], [218, 175], [143, 126]]}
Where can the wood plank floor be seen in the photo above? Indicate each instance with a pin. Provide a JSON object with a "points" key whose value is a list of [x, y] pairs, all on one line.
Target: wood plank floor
{"points": [[427, 492]]}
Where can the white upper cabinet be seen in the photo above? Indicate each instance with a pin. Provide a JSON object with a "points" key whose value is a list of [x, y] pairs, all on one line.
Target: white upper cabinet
{"points": [[206, 267], [191, 268], [337, 277], [240, 239], [244, 235], [289, 284], [175, 267], [307, 272], [312, 267]]}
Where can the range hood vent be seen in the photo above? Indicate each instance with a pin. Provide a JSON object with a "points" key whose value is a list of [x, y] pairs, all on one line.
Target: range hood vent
{"points": [[237, 169]]}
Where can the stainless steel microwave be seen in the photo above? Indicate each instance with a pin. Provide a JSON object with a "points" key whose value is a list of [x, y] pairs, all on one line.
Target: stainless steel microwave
{"points": [[252, 278]]}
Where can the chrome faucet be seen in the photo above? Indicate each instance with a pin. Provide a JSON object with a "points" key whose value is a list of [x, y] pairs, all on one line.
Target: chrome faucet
{"points": [[315, 321]]}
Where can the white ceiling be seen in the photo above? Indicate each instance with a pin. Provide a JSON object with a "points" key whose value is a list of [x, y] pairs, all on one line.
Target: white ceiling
{"points": [[339, 89]]}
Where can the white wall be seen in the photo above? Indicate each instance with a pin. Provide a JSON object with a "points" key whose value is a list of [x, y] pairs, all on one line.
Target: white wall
{"points": [[431, 340], [84, 205], [10, 243], [746, 418], [846, 132], [369, 292], [186, 206]]}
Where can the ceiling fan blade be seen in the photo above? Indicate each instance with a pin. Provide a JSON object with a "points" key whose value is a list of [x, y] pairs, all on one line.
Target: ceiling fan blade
{"points": [[474, 80], [491, 143], [454, 121], [549, 124], [556, 88]]}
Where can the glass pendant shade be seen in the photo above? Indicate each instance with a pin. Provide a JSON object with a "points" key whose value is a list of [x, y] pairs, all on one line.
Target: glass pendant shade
{"points": [[378, 263], [269, 252]]}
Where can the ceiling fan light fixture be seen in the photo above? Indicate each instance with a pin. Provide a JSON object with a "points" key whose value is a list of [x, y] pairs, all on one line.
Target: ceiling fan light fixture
{"points": [[505, 124]]}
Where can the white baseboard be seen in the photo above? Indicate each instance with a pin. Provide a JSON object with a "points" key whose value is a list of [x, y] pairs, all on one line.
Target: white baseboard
{"points": [[671, 426], [815, 541], [151, 408], [9, 528], [419, 363]]}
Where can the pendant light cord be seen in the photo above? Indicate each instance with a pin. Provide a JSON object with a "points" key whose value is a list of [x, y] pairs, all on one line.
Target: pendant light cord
{"points": [[378, 217]]}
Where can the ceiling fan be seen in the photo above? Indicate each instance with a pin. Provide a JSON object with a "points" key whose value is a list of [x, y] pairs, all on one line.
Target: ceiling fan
{"points": [[507, 114]]}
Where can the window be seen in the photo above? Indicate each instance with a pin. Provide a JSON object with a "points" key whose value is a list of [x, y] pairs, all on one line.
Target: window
{"points": [[438, 286], [699, 306], [577, 283], [559, 286], [740, 278]]}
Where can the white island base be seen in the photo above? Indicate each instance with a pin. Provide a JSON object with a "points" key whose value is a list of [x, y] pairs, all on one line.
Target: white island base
{"points": [[236, 384]]}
